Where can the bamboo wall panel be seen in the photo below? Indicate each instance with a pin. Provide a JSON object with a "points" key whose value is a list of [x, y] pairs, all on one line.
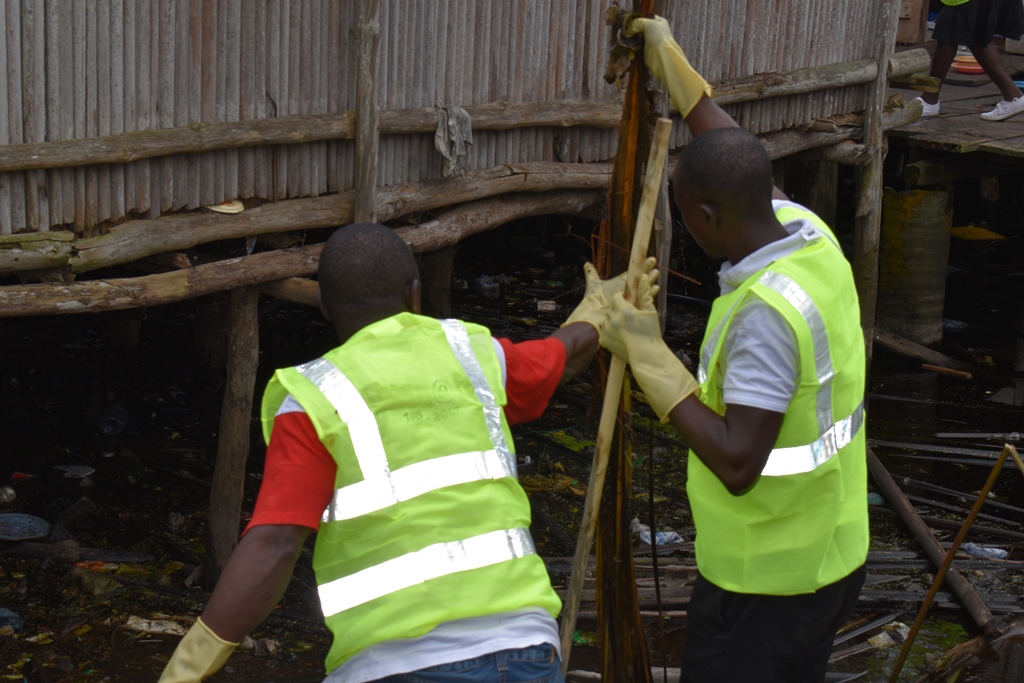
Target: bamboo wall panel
{"points": [[86, 68]]}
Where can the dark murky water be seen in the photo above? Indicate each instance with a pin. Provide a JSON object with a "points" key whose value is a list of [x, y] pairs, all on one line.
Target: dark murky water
{"points": [[151, 481]]}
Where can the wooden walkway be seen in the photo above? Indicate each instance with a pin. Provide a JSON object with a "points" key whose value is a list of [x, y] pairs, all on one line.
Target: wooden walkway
{"points": [[959, 127]]}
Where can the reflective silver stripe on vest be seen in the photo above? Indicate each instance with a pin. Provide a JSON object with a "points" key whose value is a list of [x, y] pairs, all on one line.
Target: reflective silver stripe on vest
{"points": [[414, 480], [381, 487], [801, 459], [432, 562], [799, 299], [709, 348], [362, 430], [458, 339]]}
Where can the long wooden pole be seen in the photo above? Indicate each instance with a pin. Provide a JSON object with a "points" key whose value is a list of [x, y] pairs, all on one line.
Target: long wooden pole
{"points": [[991, 631], [613, 388]]}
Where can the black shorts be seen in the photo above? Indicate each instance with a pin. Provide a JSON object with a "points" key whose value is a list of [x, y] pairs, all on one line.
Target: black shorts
{"points": [[764, 638], [976, 21]]}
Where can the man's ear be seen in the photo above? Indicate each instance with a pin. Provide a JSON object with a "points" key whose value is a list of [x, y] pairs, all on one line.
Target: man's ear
{"points": [[413, 295], [323, 309], [711, 216]]}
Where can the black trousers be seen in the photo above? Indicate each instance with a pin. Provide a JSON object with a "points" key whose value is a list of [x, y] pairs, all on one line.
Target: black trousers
{"points": [[764, 638]]}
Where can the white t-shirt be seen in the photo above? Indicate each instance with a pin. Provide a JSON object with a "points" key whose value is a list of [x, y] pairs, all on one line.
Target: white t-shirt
{"points": [[762, 360]]}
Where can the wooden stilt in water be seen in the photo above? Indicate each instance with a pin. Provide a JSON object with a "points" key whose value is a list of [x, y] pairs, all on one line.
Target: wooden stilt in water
{"points": [[436, 278], [222, 526], [869, 176]]}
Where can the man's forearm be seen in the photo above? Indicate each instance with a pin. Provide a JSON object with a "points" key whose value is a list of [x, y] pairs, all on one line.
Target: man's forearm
{"points": [[581, 343], [735, 447], [254, 580]]}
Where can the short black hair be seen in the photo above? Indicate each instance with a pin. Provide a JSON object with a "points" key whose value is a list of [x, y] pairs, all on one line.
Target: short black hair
{"points": [[364, 267], [727, 167]]}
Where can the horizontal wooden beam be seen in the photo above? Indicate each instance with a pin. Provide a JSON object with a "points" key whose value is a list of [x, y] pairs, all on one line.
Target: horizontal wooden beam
{"points": [[269, 267], [140, 238], [195, 138], [796, 82], [35, 250]]}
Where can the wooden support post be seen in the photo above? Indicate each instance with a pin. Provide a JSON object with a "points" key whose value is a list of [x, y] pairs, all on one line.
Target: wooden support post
{"points": [[869, 176], [367, 112], [815, 184], [436, 278], [1018, 357], [211, 331], [233, 436]]}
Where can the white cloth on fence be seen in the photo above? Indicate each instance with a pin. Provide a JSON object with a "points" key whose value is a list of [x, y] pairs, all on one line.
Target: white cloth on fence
{"points": [[452, 139]]}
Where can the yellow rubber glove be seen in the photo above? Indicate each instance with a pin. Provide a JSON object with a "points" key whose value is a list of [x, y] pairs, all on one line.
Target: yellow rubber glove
{"points": [[634, 335], [200, 653], [669, 65], [598, 293]]}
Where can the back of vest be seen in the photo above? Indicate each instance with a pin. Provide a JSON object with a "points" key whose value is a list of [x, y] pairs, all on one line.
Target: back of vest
{"points": [[428, 522]]}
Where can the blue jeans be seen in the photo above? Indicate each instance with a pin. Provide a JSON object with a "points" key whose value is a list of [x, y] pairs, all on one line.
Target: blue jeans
{"points": [[537, 664]]}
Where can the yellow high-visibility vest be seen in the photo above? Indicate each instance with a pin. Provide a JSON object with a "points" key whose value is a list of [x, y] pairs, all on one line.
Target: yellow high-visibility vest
{"points": [[804, 523], [428, 522]]}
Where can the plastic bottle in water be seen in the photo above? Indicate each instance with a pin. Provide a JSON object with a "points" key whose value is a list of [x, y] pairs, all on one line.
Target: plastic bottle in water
{"points": [[112, 420], [660, 538], [979, 551]]}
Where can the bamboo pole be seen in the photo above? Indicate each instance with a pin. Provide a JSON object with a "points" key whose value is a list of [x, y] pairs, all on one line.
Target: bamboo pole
{"points": [[613, 387], [233, 435], [367, 112], [990, 630], [195, 138]]}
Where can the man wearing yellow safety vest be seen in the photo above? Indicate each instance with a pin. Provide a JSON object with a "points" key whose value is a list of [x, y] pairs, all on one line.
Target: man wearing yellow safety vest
{"points": [[776, 477], [395, 448]]}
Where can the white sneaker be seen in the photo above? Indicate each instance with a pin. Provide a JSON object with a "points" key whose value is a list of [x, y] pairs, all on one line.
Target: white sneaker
{"points": [[928, 109], [1005, 110]]}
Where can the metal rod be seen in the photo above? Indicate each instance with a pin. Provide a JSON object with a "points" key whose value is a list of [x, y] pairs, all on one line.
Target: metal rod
{"points": [[989, 629]]}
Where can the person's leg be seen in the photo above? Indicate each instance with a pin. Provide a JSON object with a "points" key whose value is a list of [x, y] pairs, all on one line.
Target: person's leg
{"points": [[764, 638], [707, 642], [941, 61], [835, 603], [989, 59]]}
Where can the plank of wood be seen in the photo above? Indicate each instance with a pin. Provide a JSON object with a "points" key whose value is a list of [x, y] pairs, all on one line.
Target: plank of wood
{"points": [[905, 347], [966, 132]]}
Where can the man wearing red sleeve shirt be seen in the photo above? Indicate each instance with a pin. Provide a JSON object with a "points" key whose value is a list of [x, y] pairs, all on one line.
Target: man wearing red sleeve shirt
{"points": [[395, 447]]}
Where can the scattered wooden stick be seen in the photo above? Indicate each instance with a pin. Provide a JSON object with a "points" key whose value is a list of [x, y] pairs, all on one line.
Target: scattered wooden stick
{"points": [[947, 371]]}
